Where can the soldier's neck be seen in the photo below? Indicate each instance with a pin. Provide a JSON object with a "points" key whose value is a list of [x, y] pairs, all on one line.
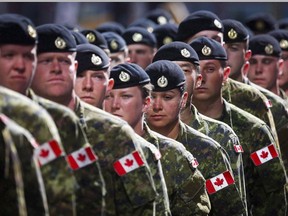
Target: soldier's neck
{"points": [[212, 109], [186, 115]]}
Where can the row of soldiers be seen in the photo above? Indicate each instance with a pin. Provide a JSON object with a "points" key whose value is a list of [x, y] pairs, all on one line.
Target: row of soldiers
{"points": [[129, 128]]}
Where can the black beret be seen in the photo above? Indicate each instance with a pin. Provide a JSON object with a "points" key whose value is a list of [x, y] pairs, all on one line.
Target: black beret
{"points": [[207, 48], [177, 51], [264, 44], [95, 37], [165, 75], [198, 21], [282, 23], [17, 29], [128, 75], [55, 38], [282, 36], [79, 38], [234, 31], [144, 23], [111, 26], [159, 16], [139, 35], [91, 57], [165, 33], [115, 42], [260, 22]]}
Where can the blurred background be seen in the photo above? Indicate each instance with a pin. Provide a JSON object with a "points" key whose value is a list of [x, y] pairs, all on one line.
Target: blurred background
{"points": [[92, 14]]}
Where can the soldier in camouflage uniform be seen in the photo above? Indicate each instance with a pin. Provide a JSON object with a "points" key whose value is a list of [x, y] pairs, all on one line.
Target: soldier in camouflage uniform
{"points": [[168, 97], [69, 127], [265, 177], [129, 183], [186, 57], [185, 184]]}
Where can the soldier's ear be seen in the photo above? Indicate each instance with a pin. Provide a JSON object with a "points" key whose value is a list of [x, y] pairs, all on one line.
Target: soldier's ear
{"points": [[226, 73]]}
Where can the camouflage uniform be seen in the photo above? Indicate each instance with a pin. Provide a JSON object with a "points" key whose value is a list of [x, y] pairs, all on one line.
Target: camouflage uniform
{"points": [[284, 96], [264, 183], [185, 183], [90, 183], [213, 160], [58, 180], [112, 138], [19, 188], [226, 137]]}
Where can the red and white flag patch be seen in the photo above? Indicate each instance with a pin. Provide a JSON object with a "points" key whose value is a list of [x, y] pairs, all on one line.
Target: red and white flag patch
{"points": [[48, 152], [81, 158], [238, 148], [219, 182], [128, 163], [268, 103], [263, 155]]}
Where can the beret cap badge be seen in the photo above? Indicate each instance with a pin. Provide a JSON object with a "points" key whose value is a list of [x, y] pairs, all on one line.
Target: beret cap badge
{"points": [[114, 44], [217, 23], [91, 37], [232, 34], [268, 49], [162, 82], [206, 51], [96, 60], [185, 53], [167, 40], [137, 37], [124, 77], [162, 20], [284, 44], [60, 43], [31, 31]]}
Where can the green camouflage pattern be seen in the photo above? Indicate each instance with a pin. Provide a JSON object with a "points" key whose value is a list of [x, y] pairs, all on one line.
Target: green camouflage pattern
{"points": [[264, 183], [213, 160], [58, 179], [284, 96], [20, 192], [90, 183], [226, 137], [112, 138], [185, 184]]}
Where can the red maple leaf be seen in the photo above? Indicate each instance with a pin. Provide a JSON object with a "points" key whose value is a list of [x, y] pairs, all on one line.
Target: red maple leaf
{"points": [[264, 154], [219, 182], [81, 157], [44, 153], [128, 162]]}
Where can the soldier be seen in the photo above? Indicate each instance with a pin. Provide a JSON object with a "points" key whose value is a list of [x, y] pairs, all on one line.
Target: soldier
{"points": [[264, 172], [129, 99], [260, 23], [129, 183], [165, 33], [185, 56], [141, 45], [168, 98]]}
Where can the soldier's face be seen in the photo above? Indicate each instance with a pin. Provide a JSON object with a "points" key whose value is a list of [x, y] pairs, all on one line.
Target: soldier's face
{"points": [[212, 79], [165, 109], [55, 75], [141, 54], [17, 66], [283, 78], [264, 71], [91, 86]]}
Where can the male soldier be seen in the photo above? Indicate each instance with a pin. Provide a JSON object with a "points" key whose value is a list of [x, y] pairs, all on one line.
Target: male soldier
{"points": [[185, 56], [260, 23], [18, 59], [118, 48], [165, 33], [129, 184], [129, 99], [141, 45], [92, 81], [265, 179], [168, 98]]}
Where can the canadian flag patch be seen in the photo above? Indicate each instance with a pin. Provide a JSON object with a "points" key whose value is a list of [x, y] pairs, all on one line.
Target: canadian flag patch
{"points": [[263, 155], [128, 163], [238, 148], [219, 182], [268, 103], [48, 152], [81, 158]]}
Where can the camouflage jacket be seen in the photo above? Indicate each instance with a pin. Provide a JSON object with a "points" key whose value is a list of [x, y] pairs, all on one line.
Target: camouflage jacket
{"points": [[112, 139], [185, 183], [213, 160], [58, 180], [90, 183], [264, 182]]}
